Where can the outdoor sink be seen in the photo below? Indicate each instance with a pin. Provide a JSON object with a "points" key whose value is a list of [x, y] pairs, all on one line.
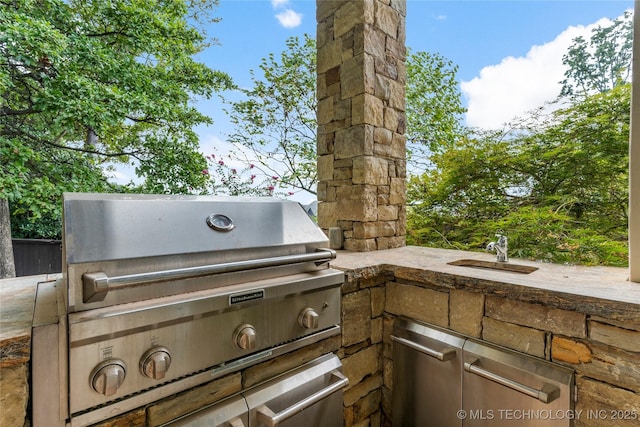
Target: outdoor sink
{"points": [[497, 266]]}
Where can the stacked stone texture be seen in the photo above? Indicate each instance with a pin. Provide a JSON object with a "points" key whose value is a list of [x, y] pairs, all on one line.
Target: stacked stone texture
{"points": [[361, 121], [601, 344]]}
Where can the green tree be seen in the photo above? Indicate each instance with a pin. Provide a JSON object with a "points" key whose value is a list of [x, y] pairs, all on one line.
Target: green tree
{"points": [[275, 121], [556, 184], [34, 180], [87, 84], [433, 107], [603, 62], [560, 192]]}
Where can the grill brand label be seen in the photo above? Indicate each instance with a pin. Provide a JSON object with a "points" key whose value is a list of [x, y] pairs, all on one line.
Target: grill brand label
{"points": [[246, 296]]}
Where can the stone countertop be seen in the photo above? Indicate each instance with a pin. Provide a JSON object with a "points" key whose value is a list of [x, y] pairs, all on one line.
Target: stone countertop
{"points": [[601, 291], [596, 291], [17, 302]]}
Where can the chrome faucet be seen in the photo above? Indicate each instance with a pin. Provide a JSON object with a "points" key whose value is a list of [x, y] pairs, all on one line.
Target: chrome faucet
{"points": [[500, 247]]}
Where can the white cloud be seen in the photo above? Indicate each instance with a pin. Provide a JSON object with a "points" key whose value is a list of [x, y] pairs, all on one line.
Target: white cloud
{"points": [[289, 18], [507, 90]]}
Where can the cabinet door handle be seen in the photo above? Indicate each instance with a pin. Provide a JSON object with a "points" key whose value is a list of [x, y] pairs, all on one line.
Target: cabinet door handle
{"points": [[548, 393], [444, 355], [267, 417]]}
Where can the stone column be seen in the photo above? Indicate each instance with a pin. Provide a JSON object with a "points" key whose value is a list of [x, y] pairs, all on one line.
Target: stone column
{"points": [[361, 121]]}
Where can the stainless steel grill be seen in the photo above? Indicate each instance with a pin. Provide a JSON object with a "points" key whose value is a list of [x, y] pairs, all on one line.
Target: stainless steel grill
{"points": [[162, 293]]}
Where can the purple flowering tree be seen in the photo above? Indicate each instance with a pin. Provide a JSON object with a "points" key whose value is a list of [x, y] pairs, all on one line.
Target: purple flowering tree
{"points": [[239, 181], [275, 126]]}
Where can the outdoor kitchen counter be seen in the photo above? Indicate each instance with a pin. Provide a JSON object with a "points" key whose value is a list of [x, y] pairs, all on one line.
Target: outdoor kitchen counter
{"points": [[600, 291], [17, 302], [603, 289]]}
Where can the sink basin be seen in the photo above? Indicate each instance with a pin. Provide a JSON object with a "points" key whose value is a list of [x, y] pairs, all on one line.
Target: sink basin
{"points": [[497, 266]]}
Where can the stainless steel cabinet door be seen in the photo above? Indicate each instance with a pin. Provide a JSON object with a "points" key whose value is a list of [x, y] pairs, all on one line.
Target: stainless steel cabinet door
{"points": [[427, 375], [505, 388], [311, 397]]}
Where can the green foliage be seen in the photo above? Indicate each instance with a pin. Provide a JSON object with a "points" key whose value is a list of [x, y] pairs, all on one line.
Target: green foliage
{"points": [[275, 121], [560, 192], [36, 208], [88, 84], [557, 185], [433, 107], [603, 62]]}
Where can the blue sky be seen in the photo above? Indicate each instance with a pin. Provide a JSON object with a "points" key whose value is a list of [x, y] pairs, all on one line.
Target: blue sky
{"points": [[508, 52]]}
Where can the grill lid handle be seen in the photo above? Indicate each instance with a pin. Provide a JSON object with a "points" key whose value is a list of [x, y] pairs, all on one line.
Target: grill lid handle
{"points": [[96, 286]]}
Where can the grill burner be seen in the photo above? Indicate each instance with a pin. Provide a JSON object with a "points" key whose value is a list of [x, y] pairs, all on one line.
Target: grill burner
{"points": [[162, 293]]}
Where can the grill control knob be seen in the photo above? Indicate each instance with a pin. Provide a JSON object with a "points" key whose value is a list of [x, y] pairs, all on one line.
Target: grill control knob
{"points": [[108, 376], [245, 337], [309, 318], [155, 362]]}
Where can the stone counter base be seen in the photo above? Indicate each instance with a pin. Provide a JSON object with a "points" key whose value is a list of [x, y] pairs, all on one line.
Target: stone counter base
{"points": [[604, 352]]}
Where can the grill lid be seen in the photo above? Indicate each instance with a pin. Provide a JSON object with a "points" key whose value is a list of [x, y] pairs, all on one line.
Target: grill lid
{"points": [[107, 227]]}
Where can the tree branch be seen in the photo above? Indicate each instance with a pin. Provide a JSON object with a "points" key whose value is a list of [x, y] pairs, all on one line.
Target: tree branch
{"points": [[5, 111], [55, 143], [108, 33]]}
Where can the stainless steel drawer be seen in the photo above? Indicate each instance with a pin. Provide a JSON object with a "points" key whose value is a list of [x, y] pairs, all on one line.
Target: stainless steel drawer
{"points": [[427, 375], [310, 395]]}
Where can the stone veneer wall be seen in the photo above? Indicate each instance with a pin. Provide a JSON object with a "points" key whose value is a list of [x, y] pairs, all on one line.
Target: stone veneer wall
{"points": [[14, 391], [361, 121], [604, 351]]}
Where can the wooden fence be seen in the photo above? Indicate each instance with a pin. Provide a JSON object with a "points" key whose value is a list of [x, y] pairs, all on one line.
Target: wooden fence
{"points": [[34, 256]]}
